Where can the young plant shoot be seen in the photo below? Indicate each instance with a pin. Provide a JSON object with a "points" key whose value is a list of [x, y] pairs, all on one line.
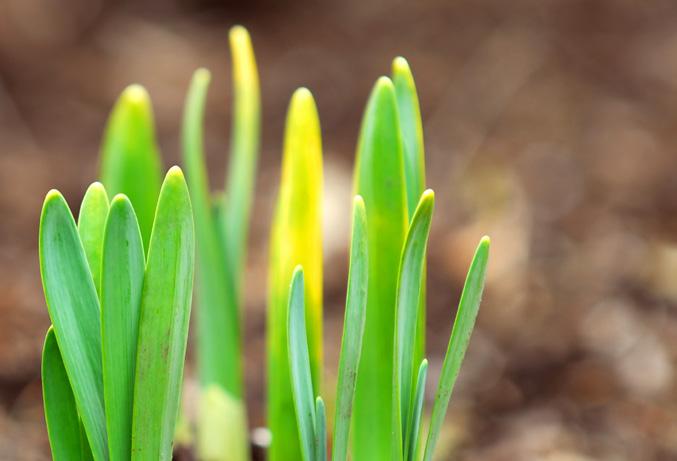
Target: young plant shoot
{"points": [[222, 224], [389, 371], [296, 240], [113, 358]]}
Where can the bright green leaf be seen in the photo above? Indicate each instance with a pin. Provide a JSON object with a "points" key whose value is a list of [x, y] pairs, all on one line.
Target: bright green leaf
{"points": [[91, 225], [74, 310], [163, 322], [458, 343], [121, 284], [414, 426], [408, 294], [130, 160], [353, 330], [320, 430], [299, 364], [379, 179], [61, 414]]}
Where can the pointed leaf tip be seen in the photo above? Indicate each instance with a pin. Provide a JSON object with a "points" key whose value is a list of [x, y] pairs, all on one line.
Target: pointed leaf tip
{"points": [[238, 34], [135, 94], [202, 76], [400, 65]]}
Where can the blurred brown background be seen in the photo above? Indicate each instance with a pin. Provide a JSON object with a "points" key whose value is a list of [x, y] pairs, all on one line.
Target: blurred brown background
{"points": [[549, 125]]}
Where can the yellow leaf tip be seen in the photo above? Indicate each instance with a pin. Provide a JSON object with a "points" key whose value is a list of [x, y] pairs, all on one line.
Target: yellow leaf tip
{"points": [[119, 198], [238, 34], [384, 83], [203, 75], [485, 241], [175, 172], [52, 195], [135, 94], [400, 65]]}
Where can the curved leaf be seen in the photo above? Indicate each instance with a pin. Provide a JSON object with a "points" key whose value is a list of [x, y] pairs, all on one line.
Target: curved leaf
{"points": [[74, 310], [458, 342], [353, 330], [91, 225], [163, 322], [121, 284]]}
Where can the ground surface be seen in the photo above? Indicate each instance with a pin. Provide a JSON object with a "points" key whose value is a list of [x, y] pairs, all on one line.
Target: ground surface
{"points": [[550, 125]]}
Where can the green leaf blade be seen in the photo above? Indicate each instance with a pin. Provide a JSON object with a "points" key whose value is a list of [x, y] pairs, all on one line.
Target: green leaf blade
{"points": [[458, 342], [245, 137], [73, 307], [299, 364], [218, 321], [320, 430], [353, 330], [61, 414], [130, 159], [414, 426], [163, 322], [91, 226], [379, 179], [408, 294], [121, 287]]}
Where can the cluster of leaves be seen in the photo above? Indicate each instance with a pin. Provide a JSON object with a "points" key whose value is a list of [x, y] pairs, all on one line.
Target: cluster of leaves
{"points": [[382, 372], [131, 164], [113, 358]]}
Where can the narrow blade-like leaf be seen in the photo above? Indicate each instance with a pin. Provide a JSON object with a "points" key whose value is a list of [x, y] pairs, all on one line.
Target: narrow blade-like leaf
{"points": [[217, 317], [379, 179], [414, 165], [412, 436], [296, 239], [353, 330], [244, 152], [91, 226], [163, 322], [74, 310], [458, 343], [408, 295], [61, 414], [320, 430], [299, 364], [130, 160], [121, 284]]}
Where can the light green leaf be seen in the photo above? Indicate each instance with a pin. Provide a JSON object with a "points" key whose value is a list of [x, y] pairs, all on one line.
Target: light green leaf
{"points": [[379, 179], [91, 225], [219, 350], [244, 152], [353, 330], [163, 322], [121, 284], [130, 160], [408, 294], [320, 430], [61, 414], [296, 239], [411, 127], [74, 310], [458, 343], [299, 364], [412, 436]]}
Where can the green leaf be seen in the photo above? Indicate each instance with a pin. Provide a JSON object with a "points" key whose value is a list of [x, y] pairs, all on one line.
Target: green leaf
{"points": [[61, 414], [163, 322], [245, 135], [91, 225], [299, 364], [458, 342], [296, 239], [411, 444], [121, 285], [411, 127], [320, 430], [353, 330], [218, 322], [130, 160], [409, 115], [379, 179], [74, 310], [408, 294]]}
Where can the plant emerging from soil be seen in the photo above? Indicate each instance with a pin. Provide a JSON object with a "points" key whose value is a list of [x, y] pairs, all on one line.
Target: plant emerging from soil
{"points": [[113, 358]]}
